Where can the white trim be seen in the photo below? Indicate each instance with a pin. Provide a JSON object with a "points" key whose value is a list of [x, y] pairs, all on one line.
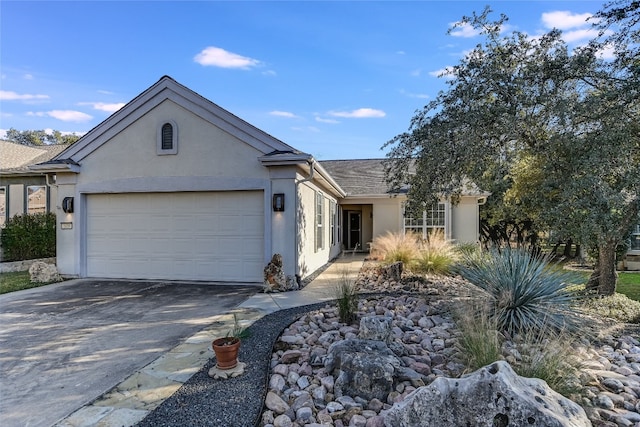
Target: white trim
{"points": [[168, 89]]}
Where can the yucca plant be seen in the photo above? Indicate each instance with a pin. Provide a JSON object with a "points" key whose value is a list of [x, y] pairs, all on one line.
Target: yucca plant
{"points": [[394, 247], [526, 293]]}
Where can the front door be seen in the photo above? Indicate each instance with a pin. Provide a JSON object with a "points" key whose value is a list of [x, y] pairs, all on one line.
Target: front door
{"points": [[355, 232]]}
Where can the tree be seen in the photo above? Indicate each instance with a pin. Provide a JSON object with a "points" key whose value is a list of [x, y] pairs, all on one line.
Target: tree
{"points": [[553, 134], [40, 137]]}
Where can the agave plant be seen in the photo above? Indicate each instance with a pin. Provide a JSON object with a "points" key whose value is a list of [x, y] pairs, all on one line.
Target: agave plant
{"points": [[526, 293]]}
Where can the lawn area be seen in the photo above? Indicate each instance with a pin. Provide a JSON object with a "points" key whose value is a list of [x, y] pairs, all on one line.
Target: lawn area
{"points": [[629, 285], [17, 281]]}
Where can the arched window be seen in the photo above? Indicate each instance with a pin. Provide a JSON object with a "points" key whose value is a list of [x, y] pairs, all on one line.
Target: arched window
{"points": [[167, 142], [167, 136]]}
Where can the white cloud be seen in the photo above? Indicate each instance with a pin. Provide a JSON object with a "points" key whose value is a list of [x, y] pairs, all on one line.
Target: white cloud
{"points": [[360, 113], [64, 115], [564, 19], [286, 114], [102, 106], [7, 95], [578, 35], [306, 129], [323, 120], [218, 57], [269, 73], [416, 73], [446, 72], [463, 30], [28, 76], [414, 95], [401, 52]]}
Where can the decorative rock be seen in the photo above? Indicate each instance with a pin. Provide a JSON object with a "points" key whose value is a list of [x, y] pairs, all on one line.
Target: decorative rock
{"points": [[282, 421], [492, 396], [290, 356], [275, 403], [393, 272], [375, 328], [274, 277], [277, 382], [41, 272], [304, 414], [357, 421], [223, 374]]}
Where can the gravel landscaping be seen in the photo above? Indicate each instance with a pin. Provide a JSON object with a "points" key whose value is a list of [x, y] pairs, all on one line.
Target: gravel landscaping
{"points": [[286, 351]]}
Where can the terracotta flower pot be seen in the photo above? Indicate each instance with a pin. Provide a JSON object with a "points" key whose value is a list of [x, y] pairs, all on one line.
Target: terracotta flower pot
{"points": [[226, 350]]}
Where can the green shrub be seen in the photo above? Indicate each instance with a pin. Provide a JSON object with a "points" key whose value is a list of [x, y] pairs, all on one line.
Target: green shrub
{"points": [[616, 306], [29, 236], [394, 247], [526, 293], [347, 299]]}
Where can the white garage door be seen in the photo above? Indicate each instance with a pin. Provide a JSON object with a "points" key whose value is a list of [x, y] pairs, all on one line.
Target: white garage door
{"points": [[213, 236]]}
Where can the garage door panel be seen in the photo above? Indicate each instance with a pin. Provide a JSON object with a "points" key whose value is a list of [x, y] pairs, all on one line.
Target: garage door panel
{"points": [[181, 236]]}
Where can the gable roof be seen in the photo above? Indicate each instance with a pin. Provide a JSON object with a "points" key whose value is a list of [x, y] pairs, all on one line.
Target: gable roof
{"points": [[16, 158], [365, 178], [359, 177], [168, 88]]}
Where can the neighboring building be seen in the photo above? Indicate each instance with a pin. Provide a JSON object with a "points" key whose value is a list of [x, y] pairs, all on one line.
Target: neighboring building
{"points": [[632, 259], [174, 187], [23, 190]]}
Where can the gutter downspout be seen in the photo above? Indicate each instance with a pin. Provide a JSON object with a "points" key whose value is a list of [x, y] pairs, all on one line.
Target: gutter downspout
{"points": [[311, 164]]}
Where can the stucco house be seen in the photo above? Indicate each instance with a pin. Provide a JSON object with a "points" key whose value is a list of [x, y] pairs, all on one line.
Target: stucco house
{"points": [[174, 187], [23, 190]]}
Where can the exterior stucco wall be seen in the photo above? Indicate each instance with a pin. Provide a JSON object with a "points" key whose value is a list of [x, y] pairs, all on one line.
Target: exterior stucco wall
{"points": [[68, 227], [465, 221], [203, 151], [310, 259]]}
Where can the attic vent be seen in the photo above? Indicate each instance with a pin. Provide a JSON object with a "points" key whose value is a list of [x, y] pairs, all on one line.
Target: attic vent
{"points": [[167, 142], [167, 136]]}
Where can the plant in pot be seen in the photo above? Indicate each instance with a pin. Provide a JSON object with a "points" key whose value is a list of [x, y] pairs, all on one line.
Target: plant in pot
{"points": [[227, 347]]}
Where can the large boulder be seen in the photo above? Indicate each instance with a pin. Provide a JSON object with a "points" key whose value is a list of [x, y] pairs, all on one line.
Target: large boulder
{"points": [[492, 396], [41, 272], [365, 368]]}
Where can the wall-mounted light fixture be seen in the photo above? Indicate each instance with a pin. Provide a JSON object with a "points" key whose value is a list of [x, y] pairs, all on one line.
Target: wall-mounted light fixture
{"points": [[278, 202], [67, 205]]}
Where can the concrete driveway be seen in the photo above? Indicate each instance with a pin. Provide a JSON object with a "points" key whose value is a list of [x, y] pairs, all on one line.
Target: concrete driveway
{"points": [[63, 345]]}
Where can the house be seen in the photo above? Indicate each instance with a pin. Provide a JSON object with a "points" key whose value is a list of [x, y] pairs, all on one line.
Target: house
{"points": [[174, 187], [23, 190], [632, 257]]}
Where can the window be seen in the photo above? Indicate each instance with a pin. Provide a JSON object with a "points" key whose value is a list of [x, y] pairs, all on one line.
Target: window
{"points": [[167, 136], [332, 222], [433, 219], [167, 142], [3, 205], [319, 221], [635, 239], [36, 199]]}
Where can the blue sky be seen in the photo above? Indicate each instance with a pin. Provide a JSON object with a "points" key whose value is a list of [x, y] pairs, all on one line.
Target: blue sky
{"points": [[334, 79]]}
